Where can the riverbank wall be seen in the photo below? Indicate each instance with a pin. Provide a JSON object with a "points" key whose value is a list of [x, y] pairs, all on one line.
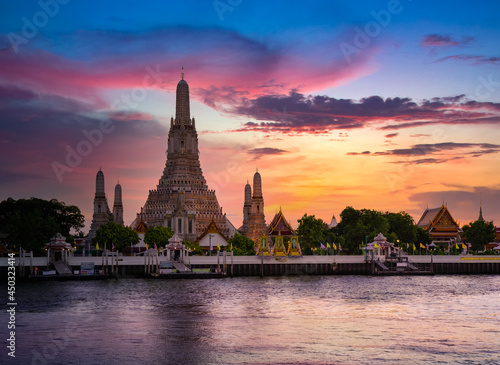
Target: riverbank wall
{"points": [[126, 266]]}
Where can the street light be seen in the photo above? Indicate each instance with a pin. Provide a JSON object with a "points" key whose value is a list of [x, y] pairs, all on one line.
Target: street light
{"points": [[210, 243]]}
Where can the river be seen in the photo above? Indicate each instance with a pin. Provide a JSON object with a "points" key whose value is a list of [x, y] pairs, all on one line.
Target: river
{"points": [[275, 320]]}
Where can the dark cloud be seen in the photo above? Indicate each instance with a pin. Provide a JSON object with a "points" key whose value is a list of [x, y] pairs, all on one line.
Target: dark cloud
{"points": [[422, 150], [259, 152], [391, 135], [443, 40], [471, 58], [38, 130], [297, 113], [427, 161]]}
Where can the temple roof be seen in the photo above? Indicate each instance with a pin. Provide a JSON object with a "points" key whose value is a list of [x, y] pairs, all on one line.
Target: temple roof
{"points": [[438, 218], [279, 224], [212, 228]]}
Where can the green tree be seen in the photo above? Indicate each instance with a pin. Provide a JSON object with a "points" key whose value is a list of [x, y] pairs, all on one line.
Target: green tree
{"points": [[402, 225], [422, 236], [114, 233], [479, 233], [30, 223], [194, 246], [159, 235], [357, 226], [242, 245], [311, 232]]}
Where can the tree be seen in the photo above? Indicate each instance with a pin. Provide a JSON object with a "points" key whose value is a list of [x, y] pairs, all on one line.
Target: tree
{"points": [[479, 234], [242, 245], [402, 225], [311, 232], [194, 246], [112, 233], [358, 226], [159, 235], [30, 223], [422, 236]]}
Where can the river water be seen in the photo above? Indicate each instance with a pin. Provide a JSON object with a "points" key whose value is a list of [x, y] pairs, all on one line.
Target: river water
{"points": [[277, 320]]}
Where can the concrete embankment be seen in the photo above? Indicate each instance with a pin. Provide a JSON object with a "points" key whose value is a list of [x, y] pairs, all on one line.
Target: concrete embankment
{"points": [[255, 266]]}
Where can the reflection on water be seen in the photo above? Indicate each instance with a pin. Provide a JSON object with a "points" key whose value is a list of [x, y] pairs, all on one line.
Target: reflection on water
{"points": [[287, 320]]}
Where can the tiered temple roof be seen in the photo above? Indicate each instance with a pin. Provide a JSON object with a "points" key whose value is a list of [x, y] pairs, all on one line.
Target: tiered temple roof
{"points": [[440, 225], [280, 226]]}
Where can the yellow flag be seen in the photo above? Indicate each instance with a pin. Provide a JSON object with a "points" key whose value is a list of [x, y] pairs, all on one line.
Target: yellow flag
{"points": [[218, 247], [464, 246], [231, 246], [414, 248], [328, 245], [422, 245], [97, 246], [334, 246], [456, 246]]}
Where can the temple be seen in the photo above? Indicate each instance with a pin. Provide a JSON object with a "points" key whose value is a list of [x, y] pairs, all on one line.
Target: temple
{"points": [[182, 200], [280, 227], [247, 210], [102, 214], [118, 205], [440, 225], [257, 223]]}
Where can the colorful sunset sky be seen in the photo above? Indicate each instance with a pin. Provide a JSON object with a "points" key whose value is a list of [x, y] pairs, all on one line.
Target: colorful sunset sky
{"points": [[385, 105]]}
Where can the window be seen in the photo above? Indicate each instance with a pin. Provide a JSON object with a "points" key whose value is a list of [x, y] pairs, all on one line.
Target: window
{"points": [[190, 226], [169, 223], [179, 225], [182, 144], [99, 208]]}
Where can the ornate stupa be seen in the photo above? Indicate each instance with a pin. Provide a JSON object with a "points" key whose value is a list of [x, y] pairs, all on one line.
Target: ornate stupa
{"points": [[257, 226], [182, 199]]}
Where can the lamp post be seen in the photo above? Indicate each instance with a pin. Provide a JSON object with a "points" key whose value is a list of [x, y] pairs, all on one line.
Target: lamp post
{"points": [[210, 243]]}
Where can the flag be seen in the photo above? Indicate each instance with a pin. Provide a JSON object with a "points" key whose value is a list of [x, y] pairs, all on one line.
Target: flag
{"points": [[113, 247], [407, 246], [456, 246], [231, 246], [97, 246], [334, 246], [104, 246], [218, 247], [414, 248], [464, 246], [147, 248], [322, 246], [377, 246], [328, 245], [340, 247], [422, 245], [155, 246]]}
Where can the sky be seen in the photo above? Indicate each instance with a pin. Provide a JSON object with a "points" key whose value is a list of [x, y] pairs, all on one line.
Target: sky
{"points": [[385, 105]]}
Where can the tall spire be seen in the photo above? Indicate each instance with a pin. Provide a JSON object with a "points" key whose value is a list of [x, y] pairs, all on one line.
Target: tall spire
{"points": [[182, 73], [481, 219], [182, 113]]}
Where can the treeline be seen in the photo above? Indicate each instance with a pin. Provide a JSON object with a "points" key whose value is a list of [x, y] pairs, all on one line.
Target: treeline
{"points": [[30, 223], [358, 227]]}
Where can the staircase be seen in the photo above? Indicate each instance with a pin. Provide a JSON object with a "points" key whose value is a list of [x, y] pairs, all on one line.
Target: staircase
{"points": [[381, 265], [181, 267], [62, 268]]}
